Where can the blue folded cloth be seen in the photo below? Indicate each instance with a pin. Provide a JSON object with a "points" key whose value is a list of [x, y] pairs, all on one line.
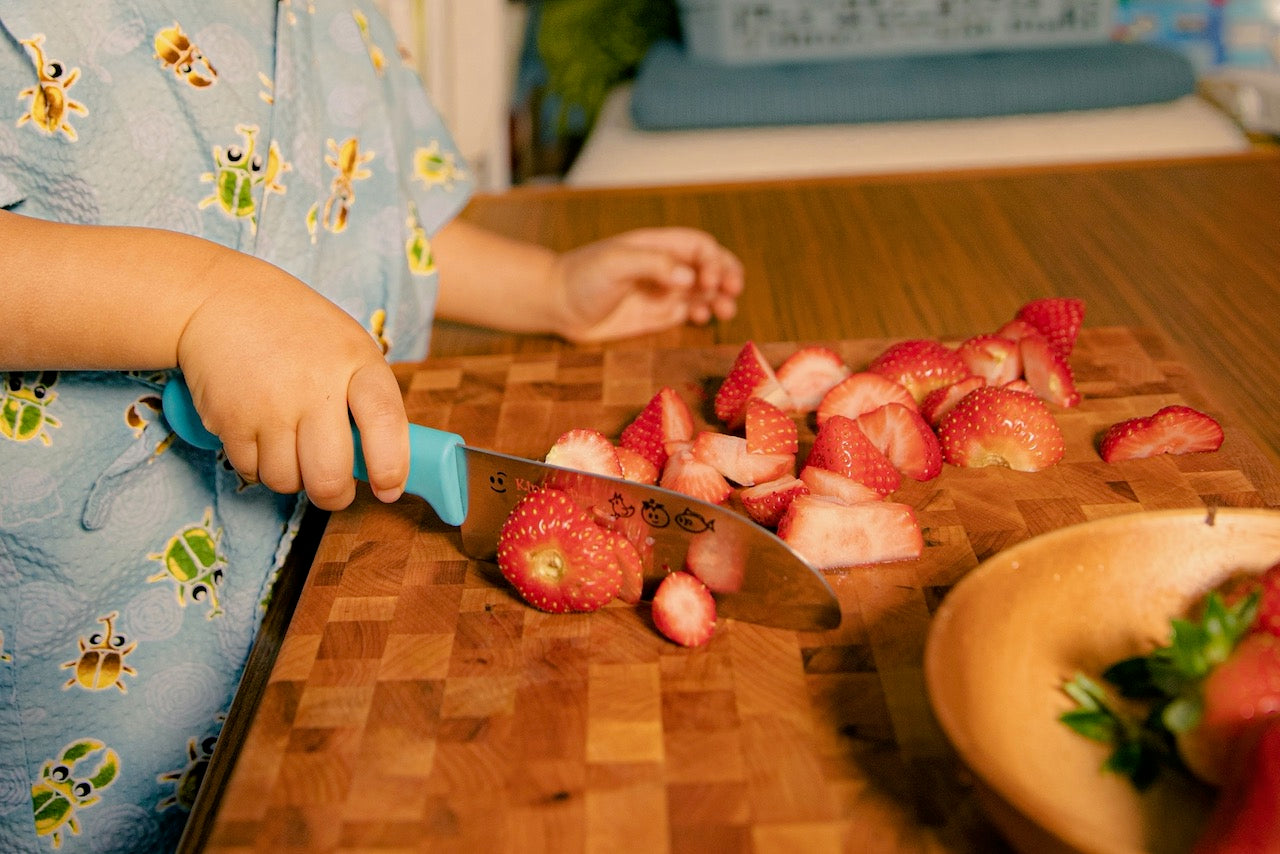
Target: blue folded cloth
{"points": [[673, 90]]}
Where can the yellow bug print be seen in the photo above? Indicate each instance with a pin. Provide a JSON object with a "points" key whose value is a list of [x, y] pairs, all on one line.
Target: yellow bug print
{"points": [[347, 161], [50, 105], [434, 167], [176, 52], [101, 662]]}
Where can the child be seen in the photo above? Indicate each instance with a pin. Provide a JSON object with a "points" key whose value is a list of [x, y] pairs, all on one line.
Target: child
{"points": [[260, 195]]}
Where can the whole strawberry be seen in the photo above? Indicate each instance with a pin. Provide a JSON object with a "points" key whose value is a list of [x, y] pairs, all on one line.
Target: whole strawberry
{"points": [[556, 556], [994, 426]]}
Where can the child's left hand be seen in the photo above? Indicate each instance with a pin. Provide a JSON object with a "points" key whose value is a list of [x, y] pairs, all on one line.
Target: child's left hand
{"points": [[643, 281]]}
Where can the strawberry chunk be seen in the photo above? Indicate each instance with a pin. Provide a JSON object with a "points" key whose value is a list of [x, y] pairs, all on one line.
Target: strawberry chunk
{"points": [[585, 450], [636, 466], [687, 474], [905, 439], [684, 610], [939, 402], [1057, 319], [920, 365], [809, 373], [994, 426], [665, 418], [1171, 430], [766, 502], [835, 485], [1048, 372], [862, 392], [630, 565], [769, 430], [729, 456], [830, 534], [841, 446], [993, 357], [556, 556], [751, 375], [719, 565]]}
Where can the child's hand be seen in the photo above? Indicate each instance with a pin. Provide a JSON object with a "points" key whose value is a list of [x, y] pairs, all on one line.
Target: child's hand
{"points": [[644, 281], [274, 368]]}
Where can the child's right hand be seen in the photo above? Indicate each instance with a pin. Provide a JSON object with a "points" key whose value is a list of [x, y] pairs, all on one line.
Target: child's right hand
{"points": [[274, 369]]}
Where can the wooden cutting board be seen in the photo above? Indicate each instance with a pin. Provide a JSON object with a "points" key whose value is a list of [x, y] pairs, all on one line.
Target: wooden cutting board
{"points": [[416, 704]]}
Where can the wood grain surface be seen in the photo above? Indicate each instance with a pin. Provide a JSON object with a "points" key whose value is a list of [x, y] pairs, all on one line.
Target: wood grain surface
{"points": [[417, 705]]}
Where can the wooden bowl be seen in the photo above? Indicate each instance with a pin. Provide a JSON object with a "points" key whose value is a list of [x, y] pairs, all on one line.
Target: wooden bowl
{"points": [[1076, 600]]}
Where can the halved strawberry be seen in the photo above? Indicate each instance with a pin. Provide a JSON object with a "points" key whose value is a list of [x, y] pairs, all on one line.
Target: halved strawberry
{"points": [[992, 357], [719, 565], [809, 373], [1017, 329], [938, 402], [689, 475], [904, 437], [636, 466], [684, 610], [841, 446], [750, 376], [1171, 430], [585, 450], [556, 556], [838, 486], [829, 533], [862, 392], [729, 455], [1056, 318], [665, 418], [920, 365], [769, 430], [630, 565], [992, 426], [766, 502], [1048, 371]]}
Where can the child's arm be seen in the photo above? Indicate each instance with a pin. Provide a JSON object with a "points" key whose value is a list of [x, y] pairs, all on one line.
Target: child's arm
{"points": [[637, 282], [273, 366]]}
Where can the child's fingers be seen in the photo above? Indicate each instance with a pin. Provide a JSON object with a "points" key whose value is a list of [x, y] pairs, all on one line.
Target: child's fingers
{"points": [[278, 460], [378, 410], [325, 457]]}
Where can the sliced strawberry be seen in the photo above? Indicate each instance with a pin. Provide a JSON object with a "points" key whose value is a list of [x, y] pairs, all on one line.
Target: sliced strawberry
{"points": [[556, 556], [904, 437], [585, 450], [1048, 371], [829, 533], [1020, 385], [729, 455], [1246, 813], [636, 466], [862, 392], [766, 502], [689, 475], [994, 358], [684, 610], [1056, 318], [769, 430], [938, 402], [1237, 695], [750, 376], [665, 418], [835, 485], [841, 446], [809, 373], [920, 365], [993, 426], [1171, 430], [630, 565], [1016, 330], [719, 565]]}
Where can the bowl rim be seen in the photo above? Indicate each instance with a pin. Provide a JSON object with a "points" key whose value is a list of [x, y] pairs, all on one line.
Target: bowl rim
{"points": [[935, 655]]}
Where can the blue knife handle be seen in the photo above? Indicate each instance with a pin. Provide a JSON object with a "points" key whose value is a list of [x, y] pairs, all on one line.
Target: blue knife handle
{"points": [[437, 468]]}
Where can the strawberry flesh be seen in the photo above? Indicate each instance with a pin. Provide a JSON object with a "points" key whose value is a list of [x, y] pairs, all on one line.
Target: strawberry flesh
{"points": [[992, 357], [665, 418], [751, 375], [902, 435], [939, 402], [766, 502], [830, 534], [842, 447], [585, 450], [1246, 814], [1172, 430], [684, 609], [862, 392], [1048, 372], [809, 373]]}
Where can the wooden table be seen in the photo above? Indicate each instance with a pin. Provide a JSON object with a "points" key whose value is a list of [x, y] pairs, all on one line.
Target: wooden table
{"points": [[416, 704]]}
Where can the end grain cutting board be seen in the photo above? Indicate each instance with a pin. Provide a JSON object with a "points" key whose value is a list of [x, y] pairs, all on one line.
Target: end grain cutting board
{"points": [[416, 704]]}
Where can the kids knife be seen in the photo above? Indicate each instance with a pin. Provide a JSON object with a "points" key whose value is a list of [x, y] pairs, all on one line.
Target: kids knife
{"points": [[754, 575]]}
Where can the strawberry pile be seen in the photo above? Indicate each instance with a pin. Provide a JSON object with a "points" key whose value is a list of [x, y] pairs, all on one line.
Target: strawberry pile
{"points": [[1211, 707], [916, 406]]}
